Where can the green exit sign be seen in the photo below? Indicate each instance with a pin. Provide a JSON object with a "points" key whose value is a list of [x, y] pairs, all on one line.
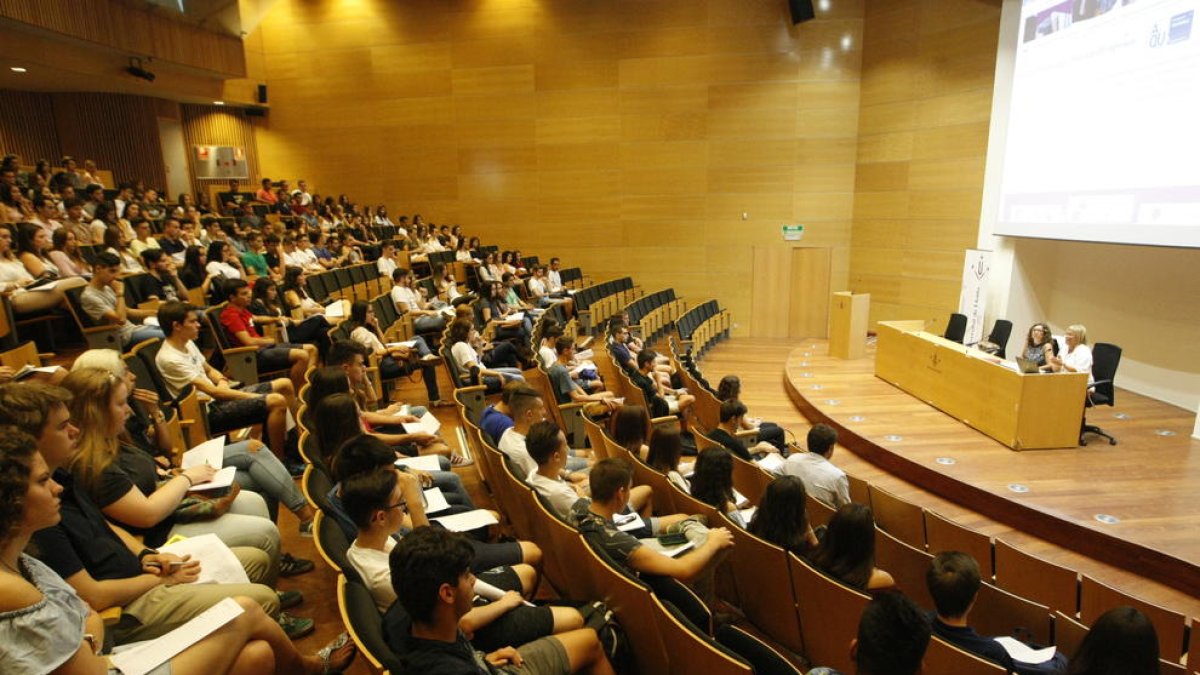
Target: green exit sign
{"points": [[793, 232]]}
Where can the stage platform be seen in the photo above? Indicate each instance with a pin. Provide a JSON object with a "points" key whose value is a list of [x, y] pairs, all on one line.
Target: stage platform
{"points": [[1133, 505]]}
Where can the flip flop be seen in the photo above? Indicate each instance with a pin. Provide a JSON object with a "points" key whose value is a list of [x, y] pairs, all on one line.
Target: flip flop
{"points": [[460, 461], [326, 654]]}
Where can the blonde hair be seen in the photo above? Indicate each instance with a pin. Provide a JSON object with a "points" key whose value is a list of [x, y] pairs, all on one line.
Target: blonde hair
{"points": [[1079, 330], [108, 360], [93, 390]]}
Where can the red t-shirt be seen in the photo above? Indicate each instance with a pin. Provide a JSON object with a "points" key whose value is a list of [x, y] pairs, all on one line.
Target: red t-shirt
{"points": [[236, 320]]}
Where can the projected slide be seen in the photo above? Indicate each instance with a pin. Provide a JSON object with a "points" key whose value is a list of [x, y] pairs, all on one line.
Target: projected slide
{"points": [[1103, 139]]}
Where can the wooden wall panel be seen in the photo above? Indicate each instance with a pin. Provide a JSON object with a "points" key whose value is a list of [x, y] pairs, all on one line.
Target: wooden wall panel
{"points": [[120, 133], [927, 74], [215, 125], [598, 132], [27, 127]]}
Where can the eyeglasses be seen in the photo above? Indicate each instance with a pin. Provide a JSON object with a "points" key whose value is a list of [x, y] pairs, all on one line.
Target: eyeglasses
{"points": [[402, 505]]}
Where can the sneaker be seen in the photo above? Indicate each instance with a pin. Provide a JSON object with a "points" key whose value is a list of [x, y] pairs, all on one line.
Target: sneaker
{"points": [[295, 627], [289, 599], [458, 461], [430, 358], [306, 528], [290, 566]]}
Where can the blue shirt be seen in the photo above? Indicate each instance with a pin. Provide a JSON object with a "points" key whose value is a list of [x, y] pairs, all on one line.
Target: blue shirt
{"points": [[494, 423]]}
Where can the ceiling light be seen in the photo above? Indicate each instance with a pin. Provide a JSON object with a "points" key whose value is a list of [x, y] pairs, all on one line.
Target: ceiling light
{"points": [[218, 102], [19, 69]]}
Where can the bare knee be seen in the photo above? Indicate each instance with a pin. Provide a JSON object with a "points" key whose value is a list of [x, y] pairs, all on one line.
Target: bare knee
{"points": [[276, 401], [531, 553], [283, 386], [256, 657], [528, 576], [566, 619]]}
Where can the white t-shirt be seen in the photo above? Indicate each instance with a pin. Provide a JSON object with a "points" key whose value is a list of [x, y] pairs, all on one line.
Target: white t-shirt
{"points": [[180, 368], [376, 573], [553, 281], [537, 287], [223, 269], [1079, 360], [407, 296], [547, 356], [512, 444], [464, 355], [560, 494], [386, 266], [366, 337]]}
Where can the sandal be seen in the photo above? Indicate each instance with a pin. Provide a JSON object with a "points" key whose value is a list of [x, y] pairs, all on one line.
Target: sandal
{"points": [[460, 461], [328, 667]]}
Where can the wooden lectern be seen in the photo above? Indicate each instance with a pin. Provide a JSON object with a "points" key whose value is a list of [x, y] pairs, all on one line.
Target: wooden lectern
{"points": [[848, 324]]}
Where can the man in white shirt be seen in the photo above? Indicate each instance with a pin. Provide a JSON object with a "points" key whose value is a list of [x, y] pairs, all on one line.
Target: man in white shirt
{"points": [[387, 260], [547, 445], [295, 257], [821, 478], [527, 409], [554, 285], [180, 363]]}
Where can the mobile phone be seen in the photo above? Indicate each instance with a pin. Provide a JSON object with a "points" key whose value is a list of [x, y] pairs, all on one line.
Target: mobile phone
{"points": [[672, 539]]}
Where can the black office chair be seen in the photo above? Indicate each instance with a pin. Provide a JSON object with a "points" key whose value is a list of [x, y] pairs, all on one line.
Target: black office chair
{"points": [[1105, 359], [1001, 331], [956, 329]]}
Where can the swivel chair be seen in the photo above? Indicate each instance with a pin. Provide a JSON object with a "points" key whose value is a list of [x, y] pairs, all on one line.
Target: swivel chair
{"points": [[956, 329], [1105, 359], [1001, 331]]}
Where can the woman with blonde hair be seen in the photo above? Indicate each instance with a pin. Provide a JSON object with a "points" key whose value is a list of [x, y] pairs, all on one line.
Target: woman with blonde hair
{"points": [[132, 490], [1077, 358]]}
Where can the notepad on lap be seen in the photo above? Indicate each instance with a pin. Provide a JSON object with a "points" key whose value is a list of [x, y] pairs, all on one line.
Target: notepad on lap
{"points": [[218, 564], [423, 463], [142, 658], [428, 424], [470, 520]]}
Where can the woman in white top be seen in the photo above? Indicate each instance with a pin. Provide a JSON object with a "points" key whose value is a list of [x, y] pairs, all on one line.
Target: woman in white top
{"points": [[1077, 358], [46, 627], [395, 361], [222, 261], [114, 243], [14, 279], [66, 254], [462, 254], [497, 364]]}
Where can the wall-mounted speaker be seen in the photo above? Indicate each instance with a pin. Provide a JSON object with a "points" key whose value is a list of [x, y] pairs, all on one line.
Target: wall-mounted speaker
{"points": [[262, 94], [802, 10]]}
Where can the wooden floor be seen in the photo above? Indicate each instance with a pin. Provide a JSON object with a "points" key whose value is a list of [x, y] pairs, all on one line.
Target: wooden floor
{"points": [[1148, 481]]}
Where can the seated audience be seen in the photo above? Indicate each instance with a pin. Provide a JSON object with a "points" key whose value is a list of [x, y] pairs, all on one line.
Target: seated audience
{"points": [[611, 484], [567, 390], [66, 256], [730, 387], [46, 626], [496, 418], [821, 478], [1039, 346], [33, 250], [180, 363], [107, 565], [271, 356], [1121, 642], [377, 501], [528, 408], [498, 362], [666, 447], [712, 483], [396, 361], [782, 517], [847, 551], [115, 244], [662, 399], [15, 280], [431, 573], [953, 581], [732, 413], [267, 308], [103, 300], [425, 315], [628, 427], [893, 634]]}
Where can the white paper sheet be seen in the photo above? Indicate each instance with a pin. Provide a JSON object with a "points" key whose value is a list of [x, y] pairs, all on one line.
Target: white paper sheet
{"points": [[223, 479], [146, 657], [773, 462], [515, 316], [1020, 651], [404, 410], [740, 500], [428, 424], [407, 344], [218, 564], [210, 452], [470, 520], [435, 501], [748, 514], [627, 522], [48, 286], [28, 370], [424, 463], [335, 310]]}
